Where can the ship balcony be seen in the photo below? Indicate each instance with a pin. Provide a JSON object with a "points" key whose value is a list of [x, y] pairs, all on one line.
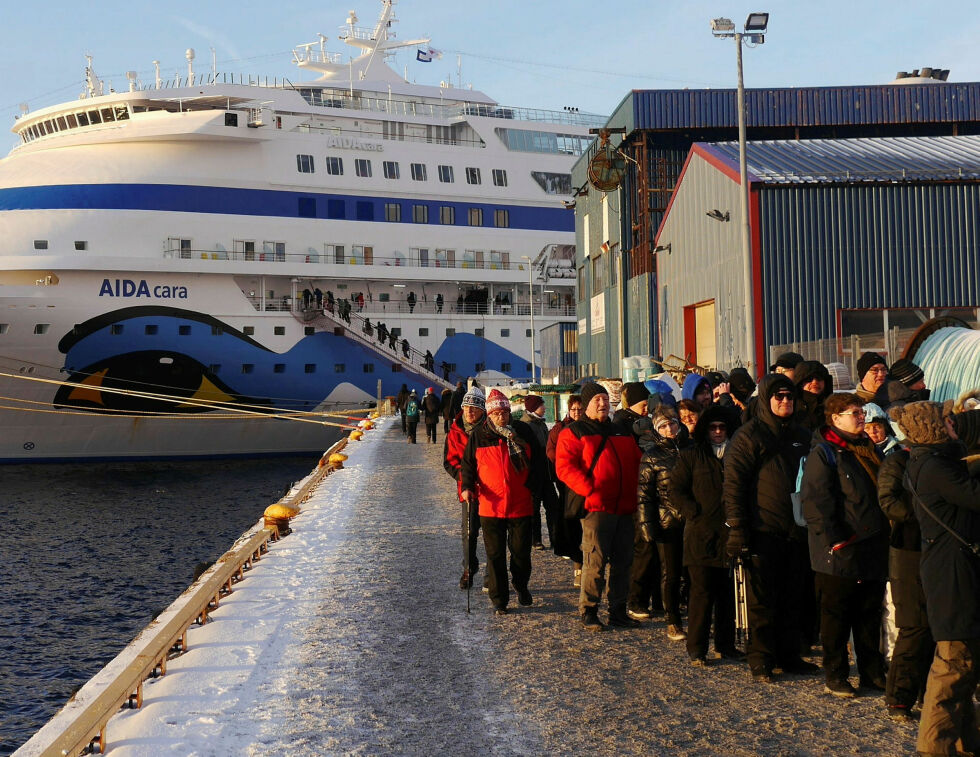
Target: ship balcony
{"points": [[373, 308]]}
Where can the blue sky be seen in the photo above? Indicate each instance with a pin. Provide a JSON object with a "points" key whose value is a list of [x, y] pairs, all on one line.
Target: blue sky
{"points": [[535, 53]]}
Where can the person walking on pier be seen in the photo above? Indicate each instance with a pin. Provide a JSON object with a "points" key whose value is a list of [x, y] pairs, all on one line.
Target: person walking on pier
{"points": [[401, 402], [470, 417], [413, 411], [499, 472], [599, 461], [431, 407]]}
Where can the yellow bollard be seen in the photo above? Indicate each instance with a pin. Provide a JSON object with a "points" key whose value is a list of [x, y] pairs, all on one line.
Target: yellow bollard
{"points": [[356, 435], [277, 516], [337, 460]]}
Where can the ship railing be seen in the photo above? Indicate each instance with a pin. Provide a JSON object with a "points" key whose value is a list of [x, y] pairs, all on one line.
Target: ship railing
{"points": [[489, 110], [433, 140], [377, 307]]}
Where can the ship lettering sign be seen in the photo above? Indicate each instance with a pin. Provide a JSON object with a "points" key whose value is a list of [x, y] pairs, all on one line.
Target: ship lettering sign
{"points": [[130, 288], [352, 143]]}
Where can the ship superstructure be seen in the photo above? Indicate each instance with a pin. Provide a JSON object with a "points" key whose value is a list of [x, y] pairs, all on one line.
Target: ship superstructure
{"points": [[205, 238]]}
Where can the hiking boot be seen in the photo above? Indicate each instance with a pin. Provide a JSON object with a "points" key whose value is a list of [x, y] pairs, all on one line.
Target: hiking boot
{"points": [[762, 676], [875, 683], [900, 712], [524, 597], [621, 619], [500, 610], [638, 613], [730, 654], [798, 667], [675, 633], [699, 662], [590, 619], [842, 689], [537, 545], [466, 580], [577, 580]]}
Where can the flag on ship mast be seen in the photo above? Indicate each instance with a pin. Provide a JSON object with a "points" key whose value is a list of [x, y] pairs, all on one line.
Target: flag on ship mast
{"points": [[426, 56]]}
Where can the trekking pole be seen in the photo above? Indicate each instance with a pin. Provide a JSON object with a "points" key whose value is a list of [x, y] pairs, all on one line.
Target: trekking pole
{"points": [[466, 552], [741, 600]]}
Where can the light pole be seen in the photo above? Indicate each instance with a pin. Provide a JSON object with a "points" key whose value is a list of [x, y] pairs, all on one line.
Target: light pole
{"points": [[530, 295], [754, 32]]}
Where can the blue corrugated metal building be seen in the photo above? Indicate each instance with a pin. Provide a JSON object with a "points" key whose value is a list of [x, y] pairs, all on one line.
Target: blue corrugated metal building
{"points": [[619, 296]]}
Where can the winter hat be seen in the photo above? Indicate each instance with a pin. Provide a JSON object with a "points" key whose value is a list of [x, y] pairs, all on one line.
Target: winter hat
{"points": [[430, 390], [661, 414], [741, 384], [788, 360], [633, 392], [496, 401], [813, 369], [874, 414], [922, 422], [907, 372], [968, 428], [590, 390], [715, 378], [867, 361], [474, 398], [532, 402]]}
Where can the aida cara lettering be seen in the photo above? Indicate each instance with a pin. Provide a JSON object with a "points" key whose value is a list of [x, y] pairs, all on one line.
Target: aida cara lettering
{"points": [[130, 288]]}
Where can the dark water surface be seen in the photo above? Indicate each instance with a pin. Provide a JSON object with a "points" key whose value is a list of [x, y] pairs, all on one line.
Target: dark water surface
{"points": [[91, 552]]}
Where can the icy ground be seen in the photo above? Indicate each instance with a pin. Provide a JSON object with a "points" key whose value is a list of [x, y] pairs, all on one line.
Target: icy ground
{"points": [[351, 637]]}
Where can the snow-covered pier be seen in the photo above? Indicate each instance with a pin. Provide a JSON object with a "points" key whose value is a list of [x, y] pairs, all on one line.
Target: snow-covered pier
{"points": [[350, 636]]}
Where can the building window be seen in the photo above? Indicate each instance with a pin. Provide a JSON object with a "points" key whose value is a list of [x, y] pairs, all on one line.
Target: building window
{"points": [[280, 330], [393, 211], [447, 215], [504, 332], [501, 218], [472, 175], [150, 329], [499, 177], [338, 368], [423, 332], [505, 367], [362, 167], [115, 329], [581, 283], [476, 216], [248, 330], [446, 174], [420, 213], [279, 368], [450, 332], [598, 274], [247, 367], [369, 367], [184, 330], [391, 169], [81, 245], [418, 172], [304, 164], [335, 166], [40, 244]]}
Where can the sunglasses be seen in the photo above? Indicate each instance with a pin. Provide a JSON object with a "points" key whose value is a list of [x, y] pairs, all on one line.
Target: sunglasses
{"points": [[783, 396]]}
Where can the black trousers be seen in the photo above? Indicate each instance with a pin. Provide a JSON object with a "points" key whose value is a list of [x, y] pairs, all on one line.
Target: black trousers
{"points": [[670, 547], [499, 535], [471, 536], [712, 592], [549, 501], [774, 587], [848, 605], [412, 427], [404, 423], [430, 431], [645, 575], [909, 669]]}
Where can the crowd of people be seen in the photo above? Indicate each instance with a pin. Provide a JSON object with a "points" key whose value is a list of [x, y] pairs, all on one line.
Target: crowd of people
{"points": [[822, 498]]}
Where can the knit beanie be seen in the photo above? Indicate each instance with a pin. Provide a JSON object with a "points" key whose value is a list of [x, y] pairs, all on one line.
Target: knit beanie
{"points": [[590, 390], [661, 414], [922, 422], [496, 401], [633, 392], [867, 361], [906, 371], [789, 360], [741, 384], [532, 402], [474, 398], [968, 428]]}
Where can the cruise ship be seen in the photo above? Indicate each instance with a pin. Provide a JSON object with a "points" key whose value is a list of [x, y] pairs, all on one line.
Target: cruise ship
{"points": [[209, 265]]}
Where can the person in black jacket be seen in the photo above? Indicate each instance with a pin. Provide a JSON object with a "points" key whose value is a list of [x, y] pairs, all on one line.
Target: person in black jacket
{"points": [[947, 505], [401, 400], [814, 384], [458, 393], [761, 465], [848, 537], [658, 519], [634, 401], [431, 407], [696, 491]]}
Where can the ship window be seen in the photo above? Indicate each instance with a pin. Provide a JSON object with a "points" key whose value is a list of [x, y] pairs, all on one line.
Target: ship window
{"points": [[505, 367], [231, 119], [94, 117], [479, 367], [423, 332], [446, 174], [335, 166], [527, 333], [369, 367], [217, 331], [248, 330], [42, 328], [478, 332], [527, 366], [81, 245], [473, 176], [334, 253], [499, 177], [115, 329], [384, 297], [150, 329], [244, 249], [4, 327], [309, 330], [504, 332], [335, 209], [447, 215], [553, 183], [306, 207], [450, 332], [184, 330], [393, 211], [396, 368], [108, 115], [72, 121], [364, 210], [391, 169], [304, 164], [279, 368], [397, 331], [452, 367], [419, 172], [445, 259], [420, 213], [214, 368], [62, 124], [248, 367], [280, 330], [40, 244], [362, 167], [338, 368], [476, 216], [83, 119], [501, 218]]}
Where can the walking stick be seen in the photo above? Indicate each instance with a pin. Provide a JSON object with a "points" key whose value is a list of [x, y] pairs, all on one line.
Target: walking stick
{"points": [[741, 600], [466, 550]]}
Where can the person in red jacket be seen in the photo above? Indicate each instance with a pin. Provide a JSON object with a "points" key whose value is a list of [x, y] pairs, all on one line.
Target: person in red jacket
{"points": [[469, 418], [599, 461], [498, 469], [568, 531]]}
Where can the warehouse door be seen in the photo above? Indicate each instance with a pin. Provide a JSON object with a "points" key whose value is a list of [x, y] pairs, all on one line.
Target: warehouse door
{"points": [[699, 334]]}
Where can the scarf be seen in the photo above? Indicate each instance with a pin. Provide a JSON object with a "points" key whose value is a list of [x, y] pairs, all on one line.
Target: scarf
{"points": [[719, 449], [865, 452], [468, 427], [517, 447]]}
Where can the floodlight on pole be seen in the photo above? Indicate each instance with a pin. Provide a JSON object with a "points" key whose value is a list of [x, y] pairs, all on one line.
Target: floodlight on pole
{"points": [[757, 23]]}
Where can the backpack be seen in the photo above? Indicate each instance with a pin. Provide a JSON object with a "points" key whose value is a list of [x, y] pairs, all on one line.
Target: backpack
{"points": [[412, 409], [796, 496]]}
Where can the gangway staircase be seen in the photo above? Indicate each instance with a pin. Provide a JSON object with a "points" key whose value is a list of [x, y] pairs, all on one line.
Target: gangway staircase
{"points": [[327, 319]]}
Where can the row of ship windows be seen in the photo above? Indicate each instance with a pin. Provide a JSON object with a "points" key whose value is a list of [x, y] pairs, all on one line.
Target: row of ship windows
{"points": [[151, 329], [392, 170], [215, 368], [74, 121]]}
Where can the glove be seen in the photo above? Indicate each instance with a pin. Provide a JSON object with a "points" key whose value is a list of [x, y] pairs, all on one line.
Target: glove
{"points": [[738, 543]]}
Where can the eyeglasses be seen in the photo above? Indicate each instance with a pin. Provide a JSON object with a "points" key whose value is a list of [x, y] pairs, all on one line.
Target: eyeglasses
{"points": [[859, 413], [783, 396]]}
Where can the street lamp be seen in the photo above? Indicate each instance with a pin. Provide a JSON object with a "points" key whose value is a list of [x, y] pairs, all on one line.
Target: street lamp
{"points": [[530, 295], [754, 31]]}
